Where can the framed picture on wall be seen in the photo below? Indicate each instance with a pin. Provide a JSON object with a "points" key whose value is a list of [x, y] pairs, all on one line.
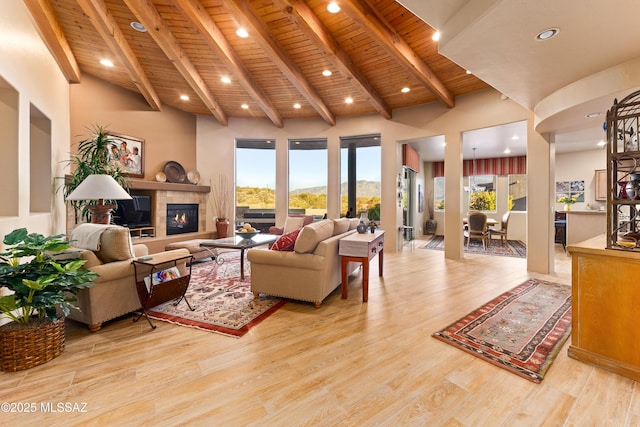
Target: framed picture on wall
{"points": [[128, 153]]}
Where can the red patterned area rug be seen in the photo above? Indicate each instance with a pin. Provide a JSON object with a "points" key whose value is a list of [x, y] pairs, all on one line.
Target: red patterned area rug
{"points": [[521, 331], [222, 302]]}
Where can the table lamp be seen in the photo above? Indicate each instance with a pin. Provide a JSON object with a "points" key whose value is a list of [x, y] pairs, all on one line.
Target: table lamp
{"points": [[100, 188]]}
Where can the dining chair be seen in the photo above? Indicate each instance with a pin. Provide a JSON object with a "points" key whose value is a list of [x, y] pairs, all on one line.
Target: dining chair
{"points": [[503, 232], [476, 228]]}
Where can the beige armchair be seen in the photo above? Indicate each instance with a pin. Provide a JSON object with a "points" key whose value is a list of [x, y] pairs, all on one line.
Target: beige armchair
{"points": [[114, 293]]}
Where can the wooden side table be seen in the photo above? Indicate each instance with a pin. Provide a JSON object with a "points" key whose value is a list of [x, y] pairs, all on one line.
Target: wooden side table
{"points": [[159, 293], [361, 248]]}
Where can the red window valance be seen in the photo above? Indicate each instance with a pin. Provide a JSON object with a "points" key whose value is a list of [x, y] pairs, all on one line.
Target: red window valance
{"points": [[499, 166]]}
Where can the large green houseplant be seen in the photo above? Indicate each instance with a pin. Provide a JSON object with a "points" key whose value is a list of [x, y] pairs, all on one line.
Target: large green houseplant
{"points": [[40, 284], [94, 156], [42, 288]]}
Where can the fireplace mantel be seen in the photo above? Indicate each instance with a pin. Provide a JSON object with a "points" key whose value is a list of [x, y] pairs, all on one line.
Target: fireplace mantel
{"points": [[138, 184]]}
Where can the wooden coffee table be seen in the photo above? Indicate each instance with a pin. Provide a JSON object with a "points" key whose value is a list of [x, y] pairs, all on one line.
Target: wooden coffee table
{"points": [[237, 242]]}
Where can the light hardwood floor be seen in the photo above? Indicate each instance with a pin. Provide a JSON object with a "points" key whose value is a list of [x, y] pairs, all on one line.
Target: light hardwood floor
{"points": [[346, 364]]}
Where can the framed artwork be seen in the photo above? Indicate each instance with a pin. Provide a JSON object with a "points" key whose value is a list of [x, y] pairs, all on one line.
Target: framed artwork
{"points": [[563, 186], [128, 153], [420, 199], [570, 189]]}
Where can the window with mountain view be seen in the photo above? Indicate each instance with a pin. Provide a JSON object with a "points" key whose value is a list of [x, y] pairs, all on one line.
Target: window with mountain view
{"points": [[308, 174], [255, 174], [360, 175]]}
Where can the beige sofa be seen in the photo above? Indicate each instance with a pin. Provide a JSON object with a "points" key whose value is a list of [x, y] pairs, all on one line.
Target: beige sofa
{"points": [[114, 293], [311, 271]]}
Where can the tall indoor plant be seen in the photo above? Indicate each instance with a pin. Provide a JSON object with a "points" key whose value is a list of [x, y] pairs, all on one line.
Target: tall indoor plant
{"points": [[220, 197], [94, 156], [42, 290]]}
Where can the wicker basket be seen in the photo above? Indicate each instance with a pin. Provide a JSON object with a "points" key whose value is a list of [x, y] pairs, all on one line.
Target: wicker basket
{"points": [[25, 346]]}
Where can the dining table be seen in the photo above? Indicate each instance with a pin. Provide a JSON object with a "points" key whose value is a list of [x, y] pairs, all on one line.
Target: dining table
{"points": [[490, 222]]}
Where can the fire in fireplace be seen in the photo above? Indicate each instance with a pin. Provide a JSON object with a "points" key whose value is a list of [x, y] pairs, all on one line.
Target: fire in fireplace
{"points": [[182, 218]]}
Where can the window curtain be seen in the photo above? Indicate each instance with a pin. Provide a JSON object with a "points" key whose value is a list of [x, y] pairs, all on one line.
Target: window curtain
{"points": [[499, 166]]}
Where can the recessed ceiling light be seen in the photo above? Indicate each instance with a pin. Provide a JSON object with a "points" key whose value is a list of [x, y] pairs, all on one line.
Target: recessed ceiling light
{"points": [[225, 79], [547, 34], [106, 63], [349, 100], [327, 73], [241, 32], [333, 7], [601, 143], [515, 137], [244, 106], [507, 151], [436, 36], [468, 72], [405, 90], [138, 27], [184, 97], [297, 106], [592, 115]]}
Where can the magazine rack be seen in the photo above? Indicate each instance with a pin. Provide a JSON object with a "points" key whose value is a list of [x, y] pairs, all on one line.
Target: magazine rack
{"points": [[152, 292]]}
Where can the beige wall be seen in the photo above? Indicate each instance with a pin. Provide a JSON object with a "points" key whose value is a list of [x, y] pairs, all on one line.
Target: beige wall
{"points": [[169, 134], [25, 63]]}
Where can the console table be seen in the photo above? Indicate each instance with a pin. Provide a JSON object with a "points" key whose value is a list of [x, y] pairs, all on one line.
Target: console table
{"points": [[362, 248]]}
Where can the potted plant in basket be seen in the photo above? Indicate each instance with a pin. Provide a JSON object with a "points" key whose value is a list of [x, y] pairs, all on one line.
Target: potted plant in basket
{"points": [[42, 292], [94, 156]]}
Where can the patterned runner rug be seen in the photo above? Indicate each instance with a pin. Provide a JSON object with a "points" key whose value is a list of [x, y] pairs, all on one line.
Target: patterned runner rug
{"points": [[521, 331], [222, 302], [512, 248]]}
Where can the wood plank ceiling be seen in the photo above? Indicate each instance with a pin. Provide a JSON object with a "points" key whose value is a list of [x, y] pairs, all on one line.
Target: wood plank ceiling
{"points": [[373, 48]]}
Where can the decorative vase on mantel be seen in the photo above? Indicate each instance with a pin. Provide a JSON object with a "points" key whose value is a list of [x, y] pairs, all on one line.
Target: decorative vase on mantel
{"points": [[222, 227], [567, 207]]}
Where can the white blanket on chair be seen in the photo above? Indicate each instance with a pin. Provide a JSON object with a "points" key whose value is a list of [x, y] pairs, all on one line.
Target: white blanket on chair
{"points": [[87, 236]]}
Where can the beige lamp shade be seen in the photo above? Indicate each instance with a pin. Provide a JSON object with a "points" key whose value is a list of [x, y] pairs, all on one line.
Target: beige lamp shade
{"points": [[99, 187]]}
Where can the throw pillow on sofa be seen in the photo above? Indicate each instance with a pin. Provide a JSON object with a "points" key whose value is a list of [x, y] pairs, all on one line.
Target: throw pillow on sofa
{"points": [[313, 234], [340, 226], [286, 242], [109, 242], [293, 223]]}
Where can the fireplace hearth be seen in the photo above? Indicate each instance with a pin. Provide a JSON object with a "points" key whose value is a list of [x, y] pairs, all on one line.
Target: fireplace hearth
{"points": [[182, 218]]}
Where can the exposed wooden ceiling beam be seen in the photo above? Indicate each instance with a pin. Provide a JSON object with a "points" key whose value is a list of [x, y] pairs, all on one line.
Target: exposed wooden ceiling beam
{"points": [[108, 29], [53, 36], [199, 17], [363, 13], [148, 16], [244, 13], [309, 23]]}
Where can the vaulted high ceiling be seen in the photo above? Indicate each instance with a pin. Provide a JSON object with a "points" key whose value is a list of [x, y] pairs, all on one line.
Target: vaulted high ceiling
{"points": [[373, 48]]}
